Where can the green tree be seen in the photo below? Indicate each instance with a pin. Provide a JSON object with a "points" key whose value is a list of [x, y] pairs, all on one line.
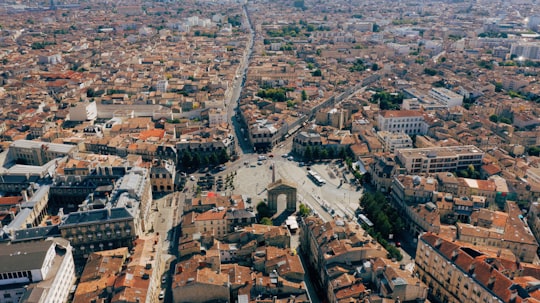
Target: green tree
{"points": [[317, 73], [263, 210], [317, 152], [187, 159], [498, 87], [308, 154], [505, 120], [267, 221], [304, 95], [430, 71], [223, 156], [304, 210], [494, 118], [324, 153], [534, 151], [462, 173]]}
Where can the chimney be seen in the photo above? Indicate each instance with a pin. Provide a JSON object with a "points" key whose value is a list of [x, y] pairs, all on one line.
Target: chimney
{"points": [[513, 294], [491, 282], [25, 195], [454, 254], [471, 269], [499, 252], [108, 207]]}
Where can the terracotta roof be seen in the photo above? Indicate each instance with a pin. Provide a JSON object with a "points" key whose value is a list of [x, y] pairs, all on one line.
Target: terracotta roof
{"points": [[400, 113]]}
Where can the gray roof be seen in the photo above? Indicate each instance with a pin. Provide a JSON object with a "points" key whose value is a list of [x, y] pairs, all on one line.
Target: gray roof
{"points": [[239, 214], [59, 148], [23, 256], [41, 232], [99, 215]]}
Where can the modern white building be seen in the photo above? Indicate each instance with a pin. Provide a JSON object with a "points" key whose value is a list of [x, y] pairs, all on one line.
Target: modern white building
{"points": [[83, 111], [439, 159], [394, 141], [526, 50], [410, 104], [410, 122], [446, 96], [36, 271]]}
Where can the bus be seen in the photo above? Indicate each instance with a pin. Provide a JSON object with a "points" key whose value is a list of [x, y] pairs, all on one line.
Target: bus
{"points": [[363, 219], [316, 178]]}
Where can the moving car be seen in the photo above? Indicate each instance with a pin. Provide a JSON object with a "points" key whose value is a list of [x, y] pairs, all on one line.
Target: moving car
{"points": [[161, 294]]}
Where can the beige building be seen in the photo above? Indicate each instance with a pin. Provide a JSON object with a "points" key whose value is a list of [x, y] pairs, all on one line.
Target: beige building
{"points": [[502, 230], [396, 283], [411, 190], [38, 153], [439, 159], [199, 280], [456, 272], [393, 141], [123, 276], [336, 243]]}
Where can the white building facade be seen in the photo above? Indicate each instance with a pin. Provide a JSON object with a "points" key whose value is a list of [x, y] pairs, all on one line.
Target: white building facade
{"points": [[446, 96], [42, 270], [409, 122]]}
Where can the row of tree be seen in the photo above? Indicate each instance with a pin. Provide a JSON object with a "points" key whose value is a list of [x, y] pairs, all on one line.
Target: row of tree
{"points": [[193, 160], [321, 153], [274, 94], [386, 220]]}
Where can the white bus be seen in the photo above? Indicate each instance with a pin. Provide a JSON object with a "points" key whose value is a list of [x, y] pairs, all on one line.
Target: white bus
{"points": [[316, 178]]}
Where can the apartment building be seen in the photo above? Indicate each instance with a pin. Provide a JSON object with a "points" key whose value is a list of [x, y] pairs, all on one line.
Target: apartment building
{"points": [[412, 190], [410, 122], [526, 50], [328, 244], [466, 187], [218, 222], [501, 230], [394, 282], [162, 177], [439, 159], [206, 143], [99, 229], [458, 272], [110, 219], [41, 270], [216, 116], [446, 96], [199, 280], [38, 153], [393, 141]]}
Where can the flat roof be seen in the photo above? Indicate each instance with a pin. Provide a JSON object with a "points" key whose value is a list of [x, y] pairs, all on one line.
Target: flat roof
{"points": [[55, 147], [22, 256]]}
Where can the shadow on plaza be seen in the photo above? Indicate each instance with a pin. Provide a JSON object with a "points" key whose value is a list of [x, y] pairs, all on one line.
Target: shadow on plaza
{"points": [[279, 219]]}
